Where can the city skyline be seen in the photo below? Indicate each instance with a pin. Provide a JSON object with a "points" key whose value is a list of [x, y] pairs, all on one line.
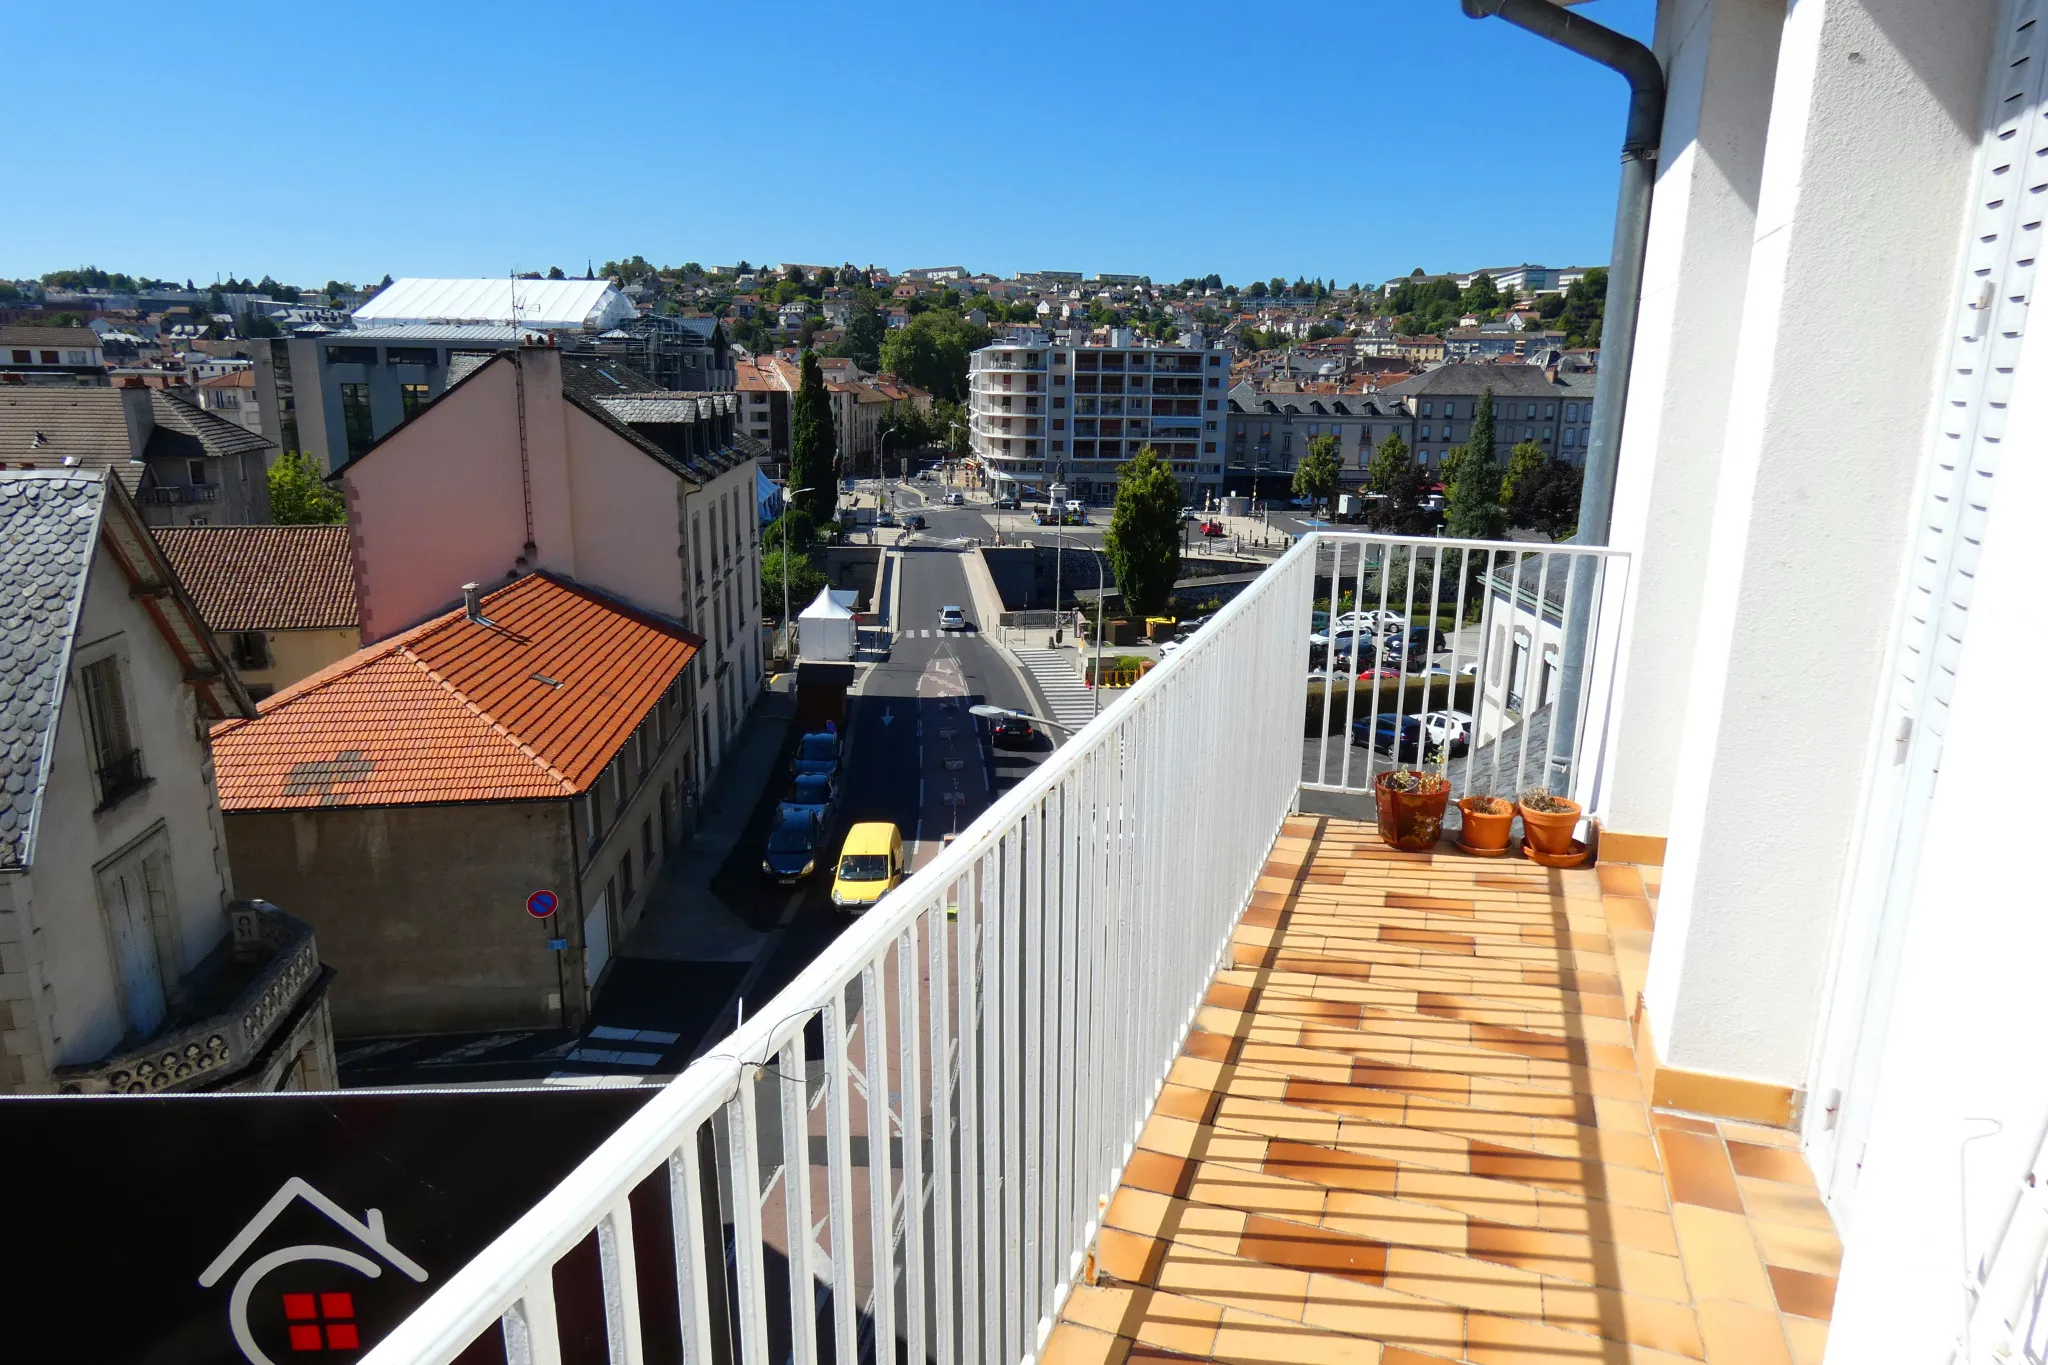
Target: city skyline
{"points": [[1445, 144]]}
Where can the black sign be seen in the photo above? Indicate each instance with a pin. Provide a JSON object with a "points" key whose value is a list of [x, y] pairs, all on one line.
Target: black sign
{"points": [[265, 1228]]}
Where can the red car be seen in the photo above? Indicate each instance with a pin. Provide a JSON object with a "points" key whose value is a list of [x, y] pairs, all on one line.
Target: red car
{"points": [[1211, 528]]}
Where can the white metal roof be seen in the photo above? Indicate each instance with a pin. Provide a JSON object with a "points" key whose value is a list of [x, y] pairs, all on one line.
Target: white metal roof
{"points": [[580, 304]]}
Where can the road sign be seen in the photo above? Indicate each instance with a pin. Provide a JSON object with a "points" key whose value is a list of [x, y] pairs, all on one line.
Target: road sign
{"points": [[560, 945], [541, 904]]}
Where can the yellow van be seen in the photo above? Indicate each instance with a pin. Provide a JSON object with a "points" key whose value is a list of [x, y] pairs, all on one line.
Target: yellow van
{"points": [[870, 865]]}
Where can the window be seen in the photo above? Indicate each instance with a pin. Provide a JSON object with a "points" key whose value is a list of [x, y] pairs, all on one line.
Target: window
{"points": [[626, 878], [116, 761], [1529, 433], [1428, 410], [22, 357], [308, 1315], [1546, 433], [1549, 410], [355, 418], [1447, 431], [1571, 413], [647, 843], [195, 473], [251, 649], [1570, 436], [412, 397], [1060, 401], [49, 357]]}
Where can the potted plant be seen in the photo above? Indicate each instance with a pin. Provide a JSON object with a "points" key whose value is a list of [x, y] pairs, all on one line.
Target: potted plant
{"points": [[1547, 825], [1488, 821], [1411, 808]]}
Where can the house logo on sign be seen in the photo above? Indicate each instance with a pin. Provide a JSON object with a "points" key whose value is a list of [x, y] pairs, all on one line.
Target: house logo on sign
{"points": [[319, 1313]]}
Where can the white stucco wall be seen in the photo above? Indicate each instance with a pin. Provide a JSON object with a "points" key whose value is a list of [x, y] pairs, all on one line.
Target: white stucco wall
{"points": [[1962, 1041], [1720, 57], [81, 1011], [1826, 429], [438, 505]]}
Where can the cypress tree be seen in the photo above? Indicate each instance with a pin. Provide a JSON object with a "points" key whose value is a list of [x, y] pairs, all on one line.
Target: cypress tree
{"points": [[812, 443]]}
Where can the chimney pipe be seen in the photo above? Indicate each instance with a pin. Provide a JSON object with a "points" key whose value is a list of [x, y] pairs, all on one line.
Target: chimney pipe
{"points": [[473, 603]]}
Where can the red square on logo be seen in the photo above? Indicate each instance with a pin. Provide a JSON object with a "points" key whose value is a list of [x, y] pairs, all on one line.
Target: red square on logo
{"points": [[341, 1336], [337, 1306], [300, 1306], [305, 1338]]}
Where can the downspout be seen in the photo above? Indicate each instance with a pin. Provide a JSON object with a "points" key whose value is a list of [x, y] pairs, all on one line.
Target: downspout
{"points": [[1639, 145]]}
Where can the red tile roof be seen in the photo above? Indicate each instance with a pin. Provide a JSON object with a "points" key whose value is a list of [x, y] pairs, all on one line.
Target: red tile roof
{"points": [[266, 577], [532, 705]]}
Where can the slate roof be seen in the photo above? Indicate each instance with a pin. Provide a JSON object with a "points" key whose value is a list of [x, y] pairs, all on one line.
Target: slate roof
{"points": [[266, 577], [1506, 381], [49, 338], [463, 364], [531, 705], [185, 429], [49, 524], [44, 425]]}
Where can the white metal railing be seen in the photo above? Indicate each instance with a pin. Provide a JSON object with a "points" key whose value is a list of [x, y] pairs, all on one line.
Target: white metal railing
{"points": [[990, 1039], [1499, 651]]}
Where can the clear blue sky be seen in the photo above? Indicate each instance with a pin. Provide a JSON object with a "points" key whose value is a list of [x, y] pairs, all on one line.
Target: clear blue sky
{"points": [[1346, 138]]}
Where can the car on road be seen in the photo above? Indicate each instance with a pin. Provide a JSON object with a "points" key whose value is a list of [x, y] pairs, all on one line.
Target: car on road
{"points": [[956, 499], [1190, 514], [1012, 732], [817, 752], [792, 851], [1211, 528], [885, 518], [1415, 737], [869, 867], [1005, 504], [914, 522], [952, 618], [814, 794]]}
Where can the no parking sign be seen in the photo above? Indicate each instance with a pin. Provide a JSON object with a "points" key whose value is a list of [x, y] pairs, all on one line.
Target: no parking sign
{"points": [[541, 904]]}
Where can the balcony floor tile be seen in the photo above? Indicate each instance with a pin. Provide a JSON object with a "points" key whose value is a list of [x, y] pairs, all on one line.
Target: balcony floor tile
{"points": [[1408, 1127]]}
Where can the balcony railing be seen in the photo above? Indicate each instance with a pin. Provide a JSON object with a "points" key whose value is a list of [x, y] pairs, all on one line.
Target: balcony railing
{"points": [[991, 1038], [179, 493], [276, 955]]}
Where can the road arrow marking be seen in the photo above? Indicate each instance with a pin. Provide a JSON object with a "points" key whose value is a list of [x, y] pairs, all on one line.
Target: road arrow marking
{"points": [[887, 716]]}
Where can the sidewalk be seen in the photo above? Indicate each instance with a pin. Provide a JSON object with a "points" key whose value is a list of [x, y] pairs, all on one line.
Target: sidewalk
{"points": [[684, 921]]}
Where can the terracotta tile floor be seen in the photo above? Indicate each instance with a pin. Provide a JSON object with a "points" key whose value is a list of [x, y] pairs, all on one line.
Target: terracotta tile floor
{"points": [[1408, 1129]]}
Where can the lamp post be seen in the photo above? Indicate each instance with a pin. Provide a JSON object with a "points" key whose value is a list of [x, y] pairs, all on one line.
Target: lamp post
{"points": [[787, 494]]}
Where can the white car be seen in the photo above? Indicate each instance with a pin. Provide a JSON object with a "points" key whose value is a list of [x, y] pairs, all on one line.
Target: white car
{"points": [[1445, 727], [1370, 620], [952, 618], [956, 499]]}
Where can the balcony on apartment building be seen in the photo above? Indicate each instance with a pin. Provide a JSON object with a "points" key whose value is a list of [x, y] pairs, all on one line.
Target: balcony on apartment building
{"points": [[243, 1011], [1172, 1057]]}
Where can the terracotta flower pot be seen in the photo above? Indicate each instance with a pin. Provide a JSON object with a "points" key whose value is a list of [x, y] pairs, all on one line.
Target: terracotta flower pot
{"points": [[1549, 831], [1485, 832], [1410, 820]]}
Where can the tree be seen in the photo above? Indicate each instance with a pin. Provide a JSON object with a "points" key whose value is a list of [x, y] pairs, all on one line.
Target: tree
{"points": [[555, 273], [931, 351], [1480, 296], [1472, 480], [1545, 496], [1585, 305], [812, 443], [827, 277], [861, 341], [1257, 290], [1143, 541], [1319, 471], [806, 580], [809, 328], [1401, 512], [297, 495], [1524, 459], [1389, 463]]}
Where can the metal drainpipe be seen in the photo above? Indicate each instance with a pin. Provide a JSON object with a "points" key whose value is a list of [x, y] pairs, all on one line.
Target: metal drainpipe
{"points": [[1639, 147]]}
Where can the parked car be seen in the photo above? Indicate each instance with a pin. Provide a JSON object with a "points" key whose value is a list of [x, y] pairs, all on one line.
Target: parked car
{"points": [[1211, 528], [1190, 514], [1005, 504], [814, 794], [885, 518], [1013, 732], [792, 850], [956, 500], [1379, 731], [1374, 621], [817, 752], [1451, 727], [870, 865], [952, 618]]}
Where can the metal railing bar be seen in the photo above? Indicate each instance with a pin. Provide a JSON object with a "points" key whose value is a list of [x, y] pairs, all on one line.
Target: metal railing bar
{"points": [[744, 1162], [618, 1269], [839, 1181], [910, 1067], [686, 1219], [790, 1084], [874, 1031]]}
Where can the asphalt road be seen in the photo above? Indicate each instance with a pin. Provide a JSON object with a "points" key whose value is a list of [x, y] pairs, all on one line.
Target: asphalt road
{"points": [[913, 756]]}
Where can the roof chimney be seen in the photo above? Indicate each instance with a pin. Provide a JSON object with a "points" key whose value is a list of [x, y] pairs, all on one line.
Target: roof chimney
{"points": [[473, 603]]}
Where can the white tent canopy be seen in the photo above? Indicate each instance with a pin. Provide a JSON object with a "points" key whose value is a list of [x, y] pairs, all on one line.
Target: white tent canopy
{"points": [[592, 305], [825, 630]]}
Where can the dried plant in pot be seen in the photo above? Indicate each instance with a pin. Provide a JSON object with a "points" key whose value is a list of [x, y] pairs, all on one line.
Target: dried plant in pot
{"points": [[1488, 820], [1411, 808], [1547, 825]]}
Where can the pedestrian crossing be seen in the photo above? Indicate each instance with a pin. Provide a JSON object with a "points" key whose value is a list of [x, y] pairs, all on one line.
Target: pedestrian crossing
{"points": [[927, 634], [1053, 671]]}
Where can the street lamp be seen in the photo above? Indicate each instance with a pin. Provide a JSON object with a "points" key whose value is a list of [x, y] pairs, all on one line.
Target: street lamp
{"points": [[1004, 713], [787, 494]]}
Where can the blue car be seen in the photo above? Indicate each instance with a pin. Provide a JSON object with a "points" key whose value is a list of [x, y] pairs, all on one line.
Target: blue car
{"points": [[812, 794], [817, 752], [792, 850], [1379, 732]]}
